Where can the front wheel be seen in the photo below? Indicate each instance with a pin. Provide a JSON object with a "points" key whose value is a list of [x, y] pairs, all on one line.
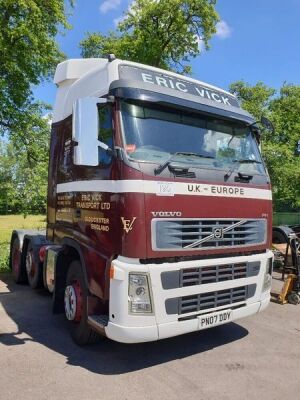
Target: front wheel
{"points": [[75, 304]]}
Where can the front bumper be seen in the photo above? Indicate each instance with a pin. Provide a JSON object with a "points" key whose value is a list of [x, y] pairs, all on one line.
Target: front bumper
{"points": [[133, 334], [127, 328]]}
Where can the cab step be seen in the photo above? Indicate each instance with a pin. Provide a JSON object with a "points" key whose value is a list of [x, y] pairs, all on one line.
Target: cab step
{"points": [[98, 322]]}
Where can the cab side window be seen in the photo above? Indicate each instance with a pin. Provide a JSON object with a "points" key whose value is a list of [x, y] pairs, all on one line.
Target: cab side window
{"points": [[105, 133]]}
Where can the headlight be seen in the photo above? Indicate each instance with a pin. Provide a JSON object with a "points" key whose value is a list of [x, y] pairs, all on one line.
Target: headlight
{"points": [[268, 275], [139, 297]]}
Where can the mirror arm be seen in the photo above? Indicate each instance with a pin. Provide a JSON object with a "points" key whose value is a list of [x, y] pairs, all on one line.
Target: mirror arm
{"points": [[106, 148], [266, 123], [111, 99], [111, 152], [257, 129], [103, 145]]}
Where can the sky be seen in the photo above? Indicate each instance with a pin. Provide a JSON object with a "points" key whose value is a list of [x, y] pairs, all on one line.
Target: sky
{"points": [[256, 40]]}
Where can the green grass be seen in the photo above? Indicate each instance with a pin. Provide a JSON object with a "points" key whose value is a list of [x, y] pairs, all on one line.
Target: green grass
{"points": [[10, 222]]}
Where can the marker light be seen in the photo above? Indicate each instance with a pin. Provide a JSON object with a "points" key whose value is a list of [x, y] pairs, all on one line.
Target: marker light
{"points": [[111, 272], [139, 297]]}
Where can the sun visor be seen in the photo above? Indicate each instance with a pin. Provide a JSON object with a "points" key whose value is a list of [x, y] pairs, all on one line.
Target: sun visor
{"points": [[149, 93], [178, 84], [178, 90]]}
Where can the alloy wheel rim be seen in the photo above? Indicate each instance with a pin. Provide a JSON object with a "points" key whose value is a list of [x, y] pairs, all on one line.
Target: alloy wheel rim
{"points": [[73, 302]]}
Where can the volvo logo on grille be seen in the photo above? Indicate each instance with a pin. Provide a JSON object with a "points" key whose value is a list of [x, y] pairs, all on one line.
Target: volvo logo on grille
{"points": [[218, 233]]}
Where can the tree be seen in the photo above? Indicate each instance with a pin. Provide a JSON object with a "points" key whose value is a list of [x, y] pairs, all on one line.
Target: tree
{"points": [[29, 53], [278, 148], [7, 166], [255, 99], [24, 166], [163, 34]]}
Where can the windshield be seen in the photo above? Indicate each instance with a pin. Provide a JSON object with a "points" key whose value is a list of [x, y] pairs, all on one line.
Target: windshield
{"points": [[153, 134]]}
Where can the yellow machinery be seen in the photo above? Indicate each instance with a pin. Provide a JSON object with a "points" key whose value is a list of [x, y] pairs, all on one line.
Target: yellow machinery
{"points": [[287, 295], [288, 257]]}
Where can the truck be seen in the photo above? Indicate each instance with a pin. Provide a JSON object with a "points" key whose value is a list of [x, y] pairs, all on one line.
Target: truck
{"points": [[159, 208]]}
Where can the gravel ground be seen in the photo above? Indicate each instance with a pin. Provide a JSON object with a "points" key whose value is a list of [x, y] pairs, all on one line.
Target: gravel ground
{"points": [[256, 358]]}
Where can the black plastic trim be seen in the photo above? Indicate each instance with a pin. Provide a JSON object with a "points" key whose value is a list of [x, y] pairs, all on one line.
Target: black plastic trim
{"points": [[176, 259], [172, 305], [127, 89], [171, 279]]}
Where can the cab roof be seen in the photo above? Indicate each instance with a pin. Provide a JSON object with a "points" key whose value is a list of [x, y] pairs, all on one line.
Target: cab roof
{"points": [[77, 78]]}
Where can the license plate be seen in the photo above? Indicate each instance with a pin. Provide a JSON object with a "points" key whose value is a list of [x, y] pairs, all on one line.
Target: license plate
{"points": [[214, 319]]}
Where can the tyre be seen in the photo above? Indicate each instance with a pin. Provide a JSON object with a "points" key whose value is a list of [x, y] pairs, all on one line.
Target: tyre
{"points": [[34, 269], [18, 270], [75, 305], [294, 298]]}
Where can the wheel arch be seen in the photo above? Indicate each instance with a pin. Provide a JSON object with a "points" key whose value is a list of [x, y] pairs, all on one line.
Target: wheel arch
{"points": [[73, 249], [281, 234], [70, 251], [37, 240]]}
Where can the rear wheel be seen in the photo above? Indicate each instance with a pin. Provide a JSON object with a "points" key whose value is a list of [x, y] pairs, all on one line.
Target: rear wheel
{"points": [[75, 304], [18, 271], [33, 268]]}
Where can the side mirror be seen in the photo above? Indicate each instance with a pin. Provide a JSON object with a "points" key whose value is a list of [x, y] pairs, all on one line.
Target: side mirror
{"points": [[85, 131], [267, 124]]}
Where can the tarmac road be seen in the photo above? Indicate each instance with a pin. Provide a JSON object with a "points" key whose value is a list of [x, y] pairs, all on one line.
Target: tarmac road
{"points": [[256, 358]]}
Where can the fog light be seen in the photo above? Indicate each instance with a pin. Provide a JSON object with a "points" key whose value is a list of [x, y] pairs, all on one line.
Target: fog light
{"points": [[139, 296]]}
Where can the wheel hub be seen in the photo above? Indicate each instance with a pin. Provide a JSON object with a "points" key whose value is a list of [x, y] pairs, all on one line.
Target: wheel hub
{"points": [[73, 302]]}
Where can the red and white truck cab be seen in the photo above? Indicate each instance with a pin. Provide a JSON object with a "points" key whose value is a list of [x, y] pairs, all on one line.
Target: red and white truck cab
{"points": [[159, 217]]}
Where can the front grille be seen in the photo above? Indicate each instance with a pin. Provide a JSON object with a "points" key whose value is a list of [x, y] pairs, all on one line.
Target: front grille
{"points": [[194, 234], [205, 301], [210, 300], [219, 273], [208, 274]]}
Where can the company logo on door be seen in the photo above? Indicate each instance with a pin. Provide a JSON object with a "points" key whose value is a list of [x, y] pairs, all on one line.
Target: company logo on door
{"points": [[127, 224]]}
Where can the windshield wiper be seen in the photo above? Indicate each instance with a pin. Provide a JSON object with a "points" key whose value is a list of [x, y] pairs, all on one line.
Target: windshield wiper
{"points": [[238, 162], [161, 167]]}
